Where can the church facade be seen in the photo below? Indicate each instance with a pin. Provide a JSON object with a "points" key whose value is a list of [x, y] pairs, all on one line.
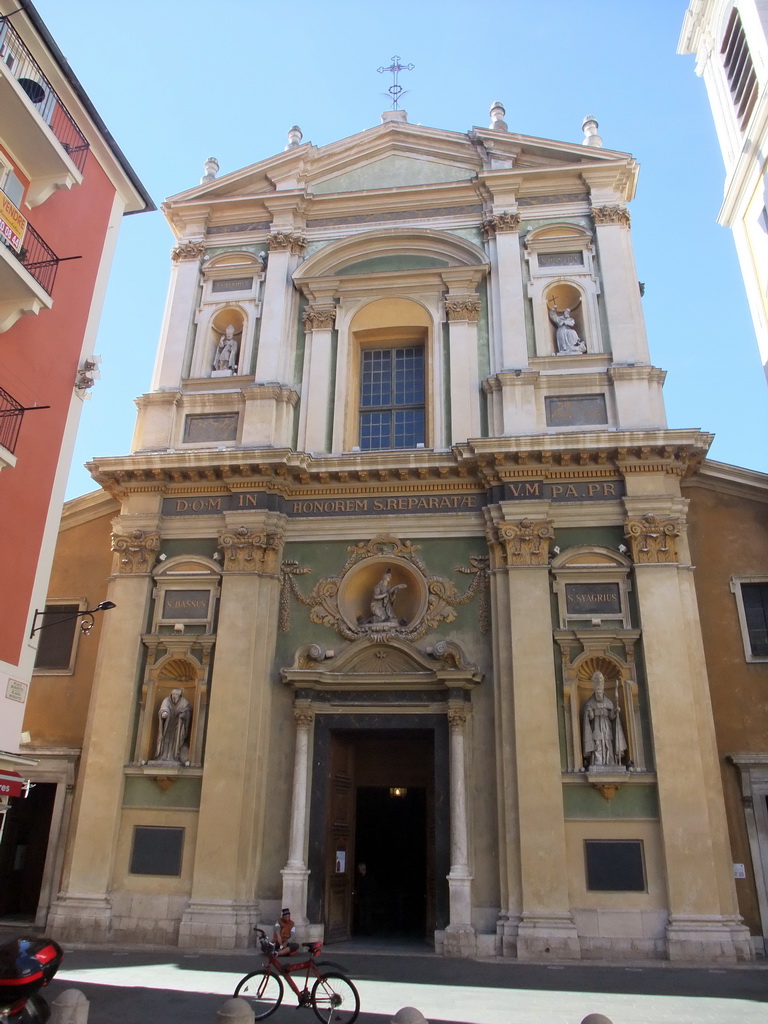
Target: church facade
{"points": [[402, 575]]}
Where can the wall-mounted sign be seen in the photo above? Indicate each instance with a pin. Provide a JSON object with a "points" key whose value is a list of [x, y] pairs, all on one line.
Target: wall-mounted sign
{"points": [[16, 690], [13, 223], [560, 491], [11, 783], [592, 599], [186, 604]]}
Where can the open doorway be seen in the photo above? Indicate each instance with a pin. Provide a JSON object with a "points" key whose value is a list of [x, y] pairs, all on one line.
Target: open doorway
{"points": [[390, 887], [23, 851], [379, 810]]}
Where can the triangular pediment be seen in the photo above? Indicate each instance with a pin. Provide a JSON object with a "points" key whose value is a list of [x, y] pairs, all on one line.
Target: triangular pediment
{"points": [[391, 156]]}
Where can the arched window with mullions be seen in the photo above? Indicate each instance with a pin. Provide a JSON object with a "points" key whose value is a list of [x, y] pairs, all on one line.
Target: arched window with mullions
{"points": [[392, 397]]}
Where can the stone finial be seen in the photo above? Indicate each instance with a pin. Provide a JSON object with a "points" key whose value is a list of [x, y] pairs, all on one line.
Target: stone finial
{"points": [[589, 126], [497, 113], [211, 168], [295, 135], [394, 115]]}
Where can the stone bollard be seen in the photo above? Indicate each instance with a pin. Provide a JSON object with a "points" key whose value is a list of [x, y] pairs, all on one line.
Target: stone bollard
{"points": [[596, 1018], [235, 1011], [409, 1015], [69, 1007]]}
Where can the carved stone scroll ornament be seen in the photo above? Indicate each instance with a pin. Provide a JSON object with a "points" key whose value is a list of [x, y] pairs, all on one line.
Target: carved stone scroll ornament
{"points": [[294, 242], [317, 319], [652, 539], [457, 718], [523, 543], [188, 251], [250, 550], [462, 309], [611, 215], [303, 717], [378, 618], [497, 222], [135, 550]]}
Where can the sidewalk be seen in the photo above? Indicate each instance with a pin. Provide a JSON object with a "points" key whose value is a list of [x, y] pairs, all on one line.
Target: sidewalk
{"points": [[170, 987]]}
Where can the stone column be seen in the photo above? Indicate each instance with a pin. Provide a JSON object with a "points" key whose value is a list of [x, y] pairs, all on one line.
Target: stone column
{"points": [[277, 342], [82, 911], [537, 920], [703, 917], [460, 938], [179, 309], [233, 803], [295, 873], [462, 313], [317, 385], [510, 349], [621, 292]]}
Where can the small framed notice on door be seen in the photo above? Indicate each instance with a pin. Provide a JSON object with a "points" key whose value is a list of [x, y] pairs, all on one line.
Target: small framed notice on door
{"points": [[341, 862]]}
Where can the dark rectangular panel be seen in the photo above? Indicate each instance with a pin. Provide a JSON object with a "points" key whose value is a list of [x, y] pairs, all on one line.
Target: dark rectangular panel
{"points": [[576, 410], [592, 599], [614, 866], [210, 427], [156, 850], [186, 604]]}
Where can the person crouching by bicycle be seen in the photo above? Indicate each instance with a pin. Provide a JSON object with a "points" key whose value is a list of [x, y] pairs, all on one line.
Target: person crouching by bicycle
{"points": [[285, 933]]}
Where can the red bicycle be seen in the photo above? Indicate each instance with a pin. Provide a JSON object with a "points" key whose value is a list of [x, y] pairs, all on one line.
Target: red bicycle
{"points": [[332, 996]]}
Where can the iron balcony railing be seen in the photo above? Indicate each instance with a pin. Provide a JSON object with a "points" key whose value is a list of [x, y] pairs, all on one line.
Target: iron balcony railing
{"points": [[28, 73], [37, 258], [11, 415]]}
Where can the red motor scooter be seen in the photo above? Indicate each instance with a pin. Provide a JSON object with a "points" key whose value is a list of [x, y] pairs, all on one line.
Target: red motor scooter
{"points": [[26, 966]]}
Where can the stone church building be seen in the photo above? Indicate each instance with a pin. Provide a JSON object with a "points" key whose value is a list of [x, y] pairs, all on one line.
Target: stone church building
{"points": [[401, 575]]}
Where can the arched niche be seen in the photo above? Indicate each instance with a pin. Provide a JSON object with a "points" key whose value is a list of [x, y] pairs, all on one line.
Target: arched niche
{"points": [[562, 271], [621, 690], [164, 714], [231, 295]]}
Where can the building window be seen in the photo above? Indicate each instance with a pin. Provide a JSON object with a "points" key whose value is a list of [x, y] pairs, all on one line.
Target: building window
{"points": [[752, 602], [739, 69], [57, 638], [614, 865], [392, 404]]}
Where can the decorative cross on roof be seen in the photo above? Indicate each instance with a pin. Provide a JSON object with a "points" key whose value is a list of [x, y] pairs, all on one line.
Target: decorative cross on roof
{"points": [[395, 90]]}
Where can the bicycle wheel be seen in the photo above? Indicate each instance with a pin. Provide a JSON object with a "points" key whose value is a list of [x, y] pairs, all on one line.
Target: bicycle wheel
{"points": [[263, 990], [335, 999]]}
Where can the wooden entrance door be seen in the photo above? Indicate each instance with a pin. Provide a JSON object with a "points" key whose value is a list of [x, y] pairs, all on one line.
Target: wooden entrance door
{"points": [[339, 857]]}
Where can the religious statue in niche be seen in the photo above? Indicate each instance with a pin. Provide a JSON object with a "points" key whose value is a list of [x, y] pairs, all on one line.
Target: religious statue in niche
{"points": [[383, 601], [173, 723], [603, 741], [567, 339], [225, 357]]}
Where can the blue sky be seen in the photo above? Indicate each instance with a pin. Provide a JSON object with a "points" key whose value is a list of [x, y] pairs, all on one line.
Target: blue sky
{"points": [[177, 81]]}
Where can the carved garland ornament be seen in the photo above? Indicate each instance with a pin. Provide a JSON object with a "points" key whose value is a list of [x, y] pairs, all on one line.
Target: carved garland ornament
{"points": [[188, 251], [319, 319], [652, 539], [523, 543], [496, 222], [441, 596], [135, 550], [611, 215], [294, 242], [250, 550], [462, 309]]}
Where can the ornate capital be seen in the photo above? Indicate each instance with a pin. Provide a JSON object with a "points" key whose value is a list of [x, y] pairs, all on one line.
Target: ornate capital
{"points": [[497, 222], [294, 242], [303, 717], [457, 718], [610, 215], [523, 543], [188, 251], [319, 319], [462, 309], [652, 539], [250, 550], [135, 550]]}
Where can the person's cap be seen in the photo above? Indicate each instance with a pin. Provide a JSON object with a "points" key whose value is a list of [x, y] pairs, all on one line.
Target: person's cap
{"points": [[285, 911]]}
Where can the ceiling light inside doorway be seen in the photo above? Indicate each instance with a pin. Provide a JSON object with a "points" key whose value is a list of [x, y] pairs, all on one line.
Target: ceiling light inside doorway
{"points": [[397, 791]]}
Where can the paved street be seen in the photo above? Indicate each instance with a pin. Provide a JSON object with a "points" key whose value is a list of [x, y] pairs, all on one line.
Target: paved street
{"points": [[169, 987]]}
